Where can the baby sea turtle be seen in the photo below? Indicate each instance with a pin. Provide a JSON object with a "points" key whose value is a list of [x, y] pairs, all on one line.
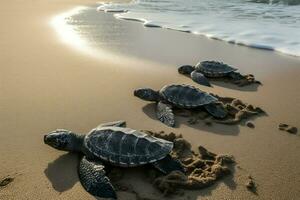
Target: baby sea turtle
{"points": [[210, 69], [114, 144], [180, 96]]}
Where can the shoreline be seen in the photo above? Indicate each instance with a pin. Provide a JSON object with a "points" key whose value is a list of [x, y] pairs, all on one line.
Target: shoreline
{"points": [[46, 85], [120, 13], [136, 51], [148, 24]]}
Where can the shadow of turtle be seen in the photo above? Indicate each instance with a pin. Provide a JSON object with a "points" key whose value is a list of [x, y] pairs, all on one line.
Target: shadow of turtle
{"points": [[222, 129], [138, 183], [215, 128], [150, 110], [62, 172]]}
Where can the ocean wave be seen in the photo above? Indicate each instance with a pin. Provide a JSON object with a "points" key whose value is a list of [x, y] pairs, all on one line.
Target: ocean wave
{"points": [[270, 26], [287, 2]]}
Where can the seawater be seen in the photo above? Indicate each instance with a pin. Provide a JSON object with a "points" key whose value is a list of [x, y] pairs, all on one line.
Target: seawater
{"points": [[265, 24]]}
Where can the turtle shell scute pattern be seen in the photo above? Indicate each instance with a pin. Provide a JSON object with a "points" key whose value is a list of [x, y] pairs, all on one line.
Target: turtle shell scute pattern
{"points": [[126, 147], [214, 68], [186, 96]]}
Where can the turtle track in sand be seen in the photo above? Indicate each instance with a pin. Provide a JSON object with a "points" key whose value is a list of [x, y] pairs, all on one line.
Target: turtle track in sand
{"points": [[203, 168]]}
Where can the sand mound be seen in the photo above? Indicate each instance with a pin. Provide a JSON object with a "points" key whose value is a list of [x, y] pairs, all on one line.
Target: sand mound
{"points": [[247, 79], [237, 111], [202, 169]]}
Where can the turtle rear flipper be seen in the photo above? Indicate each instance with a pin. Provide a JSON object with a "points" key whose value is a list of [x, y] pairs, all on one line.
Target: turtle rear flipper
{"points": [[165, 114], [120, 123], [200, 78], [168, 164], [93, 179], [236, 76], [216, 110]]}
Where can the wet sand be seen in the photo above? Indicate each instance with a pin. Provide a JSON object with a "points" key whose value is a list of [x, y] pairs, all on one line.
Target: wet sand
{"points": [[45, 84]]}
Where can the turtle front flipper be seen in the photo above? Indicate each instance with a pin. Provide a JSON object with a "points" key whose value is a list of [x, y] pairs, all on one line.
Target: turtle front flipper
{"points": [[120, 123], [165, 114], [93, 179], [200, 78], [168, 164], [216, 110]]}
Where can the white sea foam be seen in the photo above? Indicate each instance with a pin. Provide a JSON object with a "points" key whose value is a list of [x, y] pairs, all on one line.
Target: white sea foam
{"points": [[265, 24]]}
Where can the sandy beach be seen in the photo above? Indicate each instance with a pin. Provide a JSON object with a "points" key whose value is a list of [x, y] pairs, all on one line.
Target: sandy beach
{"points": [[46, 84]]}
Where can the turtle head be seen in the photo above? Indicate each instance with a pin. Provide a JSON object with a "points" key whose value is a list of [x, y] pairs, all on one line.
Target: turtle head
{"points": [[146, 94], [186, 69], [64, 140]]}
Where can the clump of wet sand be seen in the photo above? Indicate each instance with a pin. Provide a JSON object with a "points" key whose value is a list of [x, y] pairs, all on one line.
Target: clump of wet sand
{"points": [[250, 184], [250, 124], [248, 79], [288, 128], [237, 112], [6, 181]]}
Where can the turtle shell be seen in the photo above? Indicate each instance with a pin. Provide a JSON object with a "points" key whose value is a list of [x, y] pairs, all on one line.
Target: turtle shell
{"points": [[126, 147], [185, 96], [214, 68]]}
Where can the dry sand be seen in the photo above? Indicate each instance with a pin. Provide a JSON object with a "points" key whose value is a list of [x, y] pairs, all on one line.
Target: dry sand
{"points": [[45, 84]]}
